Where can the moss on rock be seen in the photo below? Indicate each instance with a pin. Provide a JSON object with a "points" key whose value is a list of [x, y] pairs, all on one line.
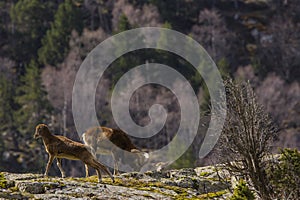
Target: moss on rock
{"points": [[3, 181]]}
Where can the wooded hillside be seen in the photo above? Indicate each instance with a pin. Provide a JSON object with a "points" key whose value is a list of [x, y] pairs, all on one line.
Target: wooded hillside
{"points": [[43, 43]]}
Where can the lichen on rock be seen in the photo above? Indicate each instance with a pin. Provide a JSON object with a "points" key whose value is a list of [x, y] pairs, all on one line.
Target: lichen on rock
{"points": [[168, 184]]}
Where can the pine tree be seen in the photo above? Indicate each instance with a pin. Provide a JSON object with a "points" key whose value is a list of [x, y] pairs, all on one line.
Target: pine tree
{"points": [[6, 112], [125, 62], [55, 44], [29, 18], [222, 68], [285, 174], [6, 103], [33, 105], [124, 24]]}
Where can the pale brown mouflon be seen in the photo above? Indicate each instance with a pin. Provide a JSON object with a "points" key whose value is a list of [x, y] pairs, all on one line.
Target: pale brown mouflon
{"points": [[62, 147], [100, 139]]}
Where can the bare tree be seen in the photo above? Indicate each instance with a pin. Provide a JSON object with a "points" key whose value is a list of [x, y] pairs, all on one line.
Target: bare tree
{"points": [[246, 139], [211, 32], [281, 99], [140, 16], [278, 50]]}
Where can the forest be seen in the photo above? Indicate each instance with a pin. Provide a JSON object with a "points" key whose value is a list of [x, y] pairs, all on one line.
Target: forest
{"points": [[43, 43]]}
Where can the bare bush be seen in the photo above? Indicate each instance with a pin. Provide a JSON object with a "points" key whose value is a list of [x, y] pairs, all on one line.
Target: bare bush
{"points": [[246, 139]]}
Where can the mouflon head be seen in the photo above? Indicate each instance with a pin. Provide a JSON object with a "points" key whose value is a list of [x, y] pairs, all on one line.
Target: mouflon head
{"points": [[40, 130]]}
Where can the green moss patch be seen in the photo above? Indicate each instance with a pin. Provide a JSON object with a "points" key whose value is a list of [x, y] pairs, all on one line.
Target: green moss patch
{"points": [[204, 173], [212, 195], [3, 181], [156, 187], [90, 179]]}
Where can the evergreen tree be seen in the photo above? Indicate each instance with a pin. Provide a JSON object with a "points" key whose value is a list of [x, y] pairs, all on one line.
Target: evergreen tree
{"points": [[123, 23], [175, 61], [4, 24], [180, 13], [285, 174], [6, 103], [124, 62], [30, 22], [55, 44], [223, 69], [6, 112], [33, 105]]}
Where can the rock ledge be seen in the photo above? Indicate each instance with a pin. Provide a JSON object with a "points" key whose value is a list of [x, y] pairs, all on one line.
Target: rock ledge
{"points": [[199, 183]]}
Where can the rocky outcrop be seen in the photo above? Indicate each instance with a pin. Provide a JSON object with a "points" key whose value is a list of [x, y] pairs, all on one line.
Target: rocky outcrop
{"points": [[199, 183]]}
